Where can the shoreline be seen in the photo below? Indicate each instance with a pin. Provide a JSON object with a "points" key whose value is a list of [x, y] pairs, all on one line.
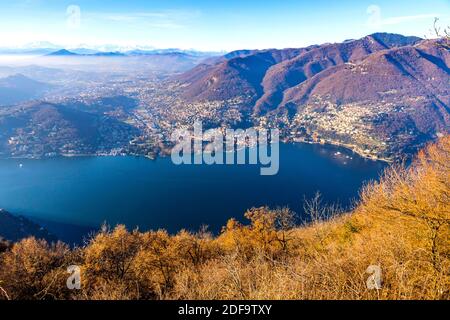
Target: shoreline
{"points": [[351, 148], [348, 147]]}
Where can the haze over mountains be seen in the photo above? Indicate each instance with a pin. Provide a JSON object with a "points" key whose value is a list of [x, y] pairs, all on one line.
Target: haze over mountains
{"points": [[37, 51], [170, 60], [50, 49]]}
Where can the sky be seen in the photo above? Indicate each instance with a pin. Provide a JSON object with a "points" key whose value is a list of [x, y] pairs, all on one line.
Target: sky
{"points": [[211, 25]]}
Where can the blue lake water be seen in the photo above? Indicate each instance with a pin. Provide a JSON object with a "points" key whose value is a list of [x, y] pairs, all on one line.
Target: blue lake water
{"points": [[72, 194]]}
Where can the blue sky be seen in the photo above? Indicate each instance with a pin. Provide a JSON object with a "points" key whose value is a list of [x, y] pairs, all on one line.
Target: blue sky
{"points": [[213, 24]]}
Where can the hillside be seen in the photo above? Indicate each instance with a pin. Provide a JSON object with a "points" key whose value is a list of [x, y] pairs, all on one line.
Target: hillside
{"points": [[266, 71], [238, 74], [39, 129], [15, 228], [17, 88], [382, 95], [400, 228]]}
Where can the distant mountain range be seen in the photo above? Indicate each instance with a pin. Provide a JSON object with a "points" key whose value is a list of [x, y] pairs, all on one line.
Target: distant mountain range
{"points": [[46, 48], [166, 52], [170, 61], [385, 90], [64, 52]]}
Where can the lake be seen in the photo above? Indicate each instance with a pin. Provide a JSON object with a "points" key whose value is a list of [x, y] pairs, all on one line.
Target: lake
{"points": [[70, 196]]}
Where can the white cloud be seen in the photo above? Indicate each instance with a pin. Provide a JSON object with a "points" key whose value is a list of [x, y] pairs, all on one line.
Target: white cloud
{"points": [[168, 19], [398, 20], [376, 19]]}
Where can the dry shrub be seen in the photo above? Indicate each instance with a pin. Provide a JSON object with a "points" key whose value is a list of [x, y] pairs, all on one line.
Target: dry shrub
{"points": [[33, 269]]}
